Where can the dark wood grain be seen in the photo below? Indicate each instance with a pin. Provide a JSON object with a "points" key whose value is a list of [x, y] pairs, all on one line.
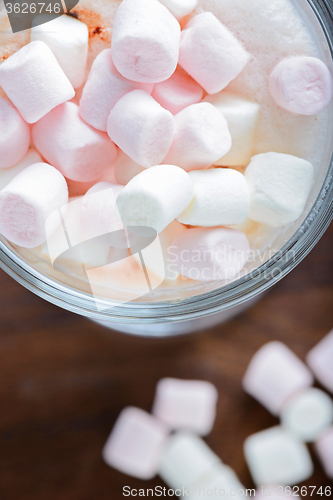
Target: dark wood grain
{"points": [[64, 379]]}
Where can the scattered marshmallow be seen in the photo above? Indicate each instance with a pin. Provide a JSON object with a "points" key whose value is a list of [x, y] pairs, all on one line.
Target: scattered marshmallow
{"points": [[145, 41], [67, 37], [125, 168], [104, 87], [34, 81], [155, 197], [210, 53], [308, 414], [275, 456], [222, 481], [201, 137], [301, 85], [135, 444], [324, 448], [80, 152], [242, 118], [279, 186], [178, 92], [8, 174], [221, 198], [180, 8], [27, 202], [275, 374], [210, 254], [320, 359], [141, 128], [14, 135]]}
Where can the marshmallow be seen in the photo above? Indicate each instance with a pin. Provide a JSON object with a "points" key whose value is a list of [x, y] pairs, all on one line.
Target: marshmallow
{"points": [[104, 87], [210, 53], [34, 81], [308, 414], [275, 456], [145, 41], [141, 128], [279, 187], [275, 374], [210, 254], [242, 118], [222, 481], [155, 197], [201, 137], [28, 200], [135, 444], [125, 168], [80, 152], [186, 404], [8, 174], [324, 448], [301, 85], [14, 135], [319, 360], [67, 37], [178, 92], [180, 8], [221, 198]]}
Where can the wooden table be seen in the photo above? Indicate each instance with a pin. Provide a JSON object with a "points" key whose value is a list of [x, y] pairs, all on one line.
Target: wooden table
{"points": [[64, 380]]}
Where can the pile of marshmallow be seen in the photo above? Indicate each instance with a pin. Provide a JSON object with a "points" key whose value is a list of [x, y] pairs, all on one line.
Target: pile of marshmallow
{"points": [[153, 116]]}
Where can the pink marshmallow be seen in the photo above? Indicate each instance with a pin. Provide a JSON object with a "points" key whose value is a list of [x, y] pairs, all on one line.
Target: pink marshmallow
{"points": [[302, 85], [320, 359], [80, 152], [201, 137], [141, 128], [14, 135], [210, 53], [136, 444], [324, 448], [27, 202], [210, 254], [125, 168], [178, 92], [145, 41], [104, 87], [275, 374], [34, 81]]}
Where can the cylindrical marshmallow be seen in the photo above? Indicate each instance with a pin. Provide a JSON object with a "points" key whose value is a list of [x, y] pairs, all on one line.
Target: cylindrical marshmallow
{"points": [[301, 85], [324, 448], [145, 41], [180, 8], [14, 135], [221, 198], [201, 137], [178, 92], [210, 53], [80, 152], [141, 128], [104, 87], [155, 197], [279, 187], [27, 202], [67, 37], [319, 360], [8, 174], [125, 168], [210, 254], [34, 81]]}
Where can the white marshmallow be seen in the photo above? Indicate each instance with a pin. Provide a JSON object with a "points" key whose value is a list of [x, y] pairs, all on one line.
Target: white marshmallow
{"points": [[178, 92], [7, 175], [180, 8], [14, 135], [27, 202], [67, 37], [275, 374], [221, 198], [319, 360], [80, 152], [155, 197], [201, 137], [308, 414], [301, 85], [34, 81], [210, 53], [125, 168], [324, 448], [275, 456], [222, 481], [242, 118], [186, 404], [141, 128], [145, 41], [279, 187], [104, 87], [135, 444], [210, 254]]}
